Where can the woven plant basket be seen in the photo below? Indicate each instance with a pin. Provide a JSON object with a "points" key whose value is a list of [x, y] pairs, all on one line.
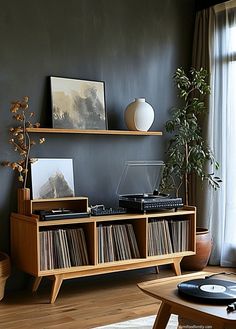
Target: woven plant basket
{"points": [[5, 269]]}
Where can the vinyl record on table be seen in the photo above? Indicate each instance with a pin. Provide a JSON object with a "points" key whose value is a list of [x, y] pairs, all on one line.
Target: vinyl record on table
{"points": [[209, 290]]}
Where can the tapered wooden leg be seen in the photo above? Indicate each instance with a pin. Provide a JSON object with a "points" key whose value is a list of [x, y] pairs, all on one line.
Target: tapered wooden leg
{"points": [[56, 287], [163, 316], [157, 269], [176, 266], [36, 283]]}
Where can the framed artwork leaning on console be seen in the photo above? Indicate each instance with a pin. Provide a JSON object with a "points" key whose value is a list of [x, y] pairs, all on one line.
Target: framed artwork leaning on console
{"points": [[52, 178], [78, 104]]}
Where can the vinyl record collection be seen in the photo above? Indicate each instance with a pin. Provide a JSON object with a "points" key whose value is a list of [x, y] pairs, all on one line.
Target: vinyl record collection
{"points": [[116, 242], [63, 248], [167, 236]]}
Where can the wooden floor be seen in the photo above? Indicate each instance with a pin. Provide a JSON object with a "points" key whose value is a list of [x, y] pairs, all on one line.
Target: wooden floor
{"points": [[83, 303]]}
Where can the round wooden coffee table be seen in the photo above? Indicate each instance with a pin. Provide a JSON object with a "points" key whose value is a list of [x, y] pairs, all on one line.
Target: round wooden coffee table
{"points": [[211, 316]]}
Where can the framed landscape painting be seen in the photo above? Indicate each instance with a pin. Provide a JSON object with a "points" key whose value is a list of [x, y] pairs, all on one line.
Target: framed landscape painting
{"points": [[78, 104], [52, 178]]}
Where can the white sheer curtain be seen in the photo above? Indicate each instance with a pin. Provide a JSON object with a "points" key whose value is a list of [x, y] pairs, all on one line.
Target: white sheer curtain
{"points": [[222, 131]]}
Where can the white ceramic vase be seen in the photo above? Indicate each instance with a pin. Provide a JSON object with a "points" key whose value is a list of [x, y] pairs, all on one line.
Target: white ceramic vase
{"points": [[139, 115]]}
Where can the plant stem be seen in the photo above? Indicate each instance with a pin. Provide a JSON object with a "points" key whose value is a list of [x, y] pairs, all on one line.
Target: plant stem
{"points": [[186, 175], [178, 188], [27, 146], [27, 159]]}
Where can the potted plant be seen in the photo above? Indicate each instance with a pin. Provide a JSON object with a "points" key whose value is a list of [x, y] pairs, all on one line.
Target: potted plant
{"points": [[188, 156], [22, 143]]}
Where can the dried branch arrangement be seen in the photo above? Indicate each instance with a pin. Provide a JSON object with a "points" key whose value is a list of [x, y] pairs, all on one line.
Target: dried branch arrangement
{"points": [[20, 138]]}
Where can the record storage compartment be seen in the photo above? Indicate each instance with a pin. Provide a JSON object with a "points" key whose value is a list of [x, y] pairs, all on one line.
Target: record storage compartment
{"points": [[27, 250]]}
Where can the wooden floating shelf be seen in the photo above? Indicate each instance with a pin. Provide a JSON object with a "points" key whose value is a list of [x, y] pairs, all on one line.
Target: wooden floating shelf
{"points": [[94, 132]]}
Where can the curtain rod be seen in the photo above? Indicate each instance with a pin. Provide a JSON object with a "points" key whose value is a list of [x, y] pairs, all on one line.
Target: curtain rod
{"points": [[226, 5], [203, 4]]}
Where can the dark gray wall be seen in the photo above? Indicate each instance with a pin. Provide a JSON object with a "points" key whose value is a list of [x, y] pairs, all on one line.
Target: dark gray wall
{"points": [[134, 46]]}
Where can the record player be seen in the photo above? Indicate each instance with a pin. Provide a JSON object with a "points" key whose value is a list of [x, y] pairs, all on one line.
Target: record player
{"points": [[138, 189]]}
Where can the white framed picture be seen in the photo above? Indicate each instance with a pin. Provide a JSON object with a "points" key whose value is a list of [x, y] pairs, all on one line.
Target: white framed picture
{"points": [[78, 104], [52, 178]]}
